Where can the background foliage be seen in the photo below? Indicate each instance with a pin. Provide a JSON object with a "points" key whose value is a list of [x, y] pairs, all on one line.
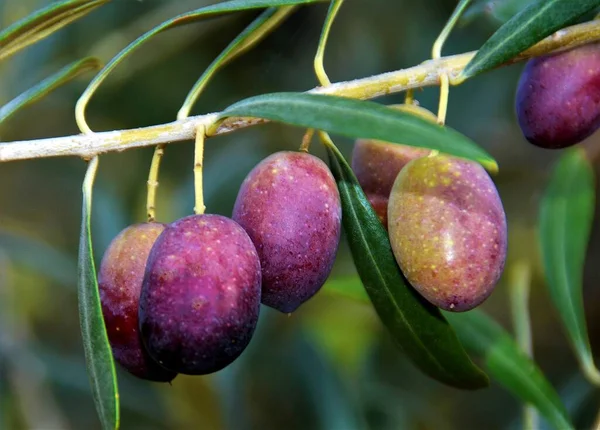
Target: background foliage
{"points": [[331, 365]]}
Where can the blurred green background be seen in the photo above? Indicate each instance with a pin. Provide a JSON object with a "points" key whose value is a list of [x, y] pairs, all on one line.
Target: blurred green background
{"points": [[330, 365]]}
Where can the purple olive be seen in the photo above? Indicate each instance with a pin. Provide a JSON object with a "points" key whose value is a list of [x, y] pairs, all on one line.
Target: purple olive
{"points": [[200, 298], [376, 164], [120, 281], [290, 206], [558, 97], [448, 231]]}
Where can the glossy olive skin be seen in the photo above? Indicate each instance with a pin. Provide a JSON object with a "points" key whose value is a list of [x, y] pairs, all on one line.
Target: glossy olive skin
{"points": [[448, 231], [558, 97], [290, 206], [120, 281], [200, 298], [376, 164]]}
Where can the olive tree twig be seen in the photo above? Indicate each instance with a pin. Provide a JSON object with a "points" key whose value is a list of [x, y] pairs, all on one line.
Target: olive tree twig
{"points": [[425, 74]]}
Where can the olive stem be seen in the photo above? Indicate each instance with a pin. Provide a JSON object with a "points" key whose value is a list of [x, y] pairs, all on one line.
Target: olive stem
{"points": [[305, 146], [318, 62], [198, 158], [409, 98], [519, 289], [436, 52], [422, 75], [159, 151], [322, 77]]}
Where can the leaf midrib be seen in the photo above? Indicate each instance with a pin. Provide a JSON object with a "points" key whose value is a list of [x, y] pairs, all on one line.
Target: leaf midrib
{"points": [[391, 296]]}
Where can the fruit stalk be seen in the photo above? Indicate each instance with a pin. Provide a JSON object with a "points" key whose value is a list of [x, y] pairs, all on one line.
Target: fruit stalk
{"points": [[198, 159], [422, 75], [153, 182], [436, 52]]}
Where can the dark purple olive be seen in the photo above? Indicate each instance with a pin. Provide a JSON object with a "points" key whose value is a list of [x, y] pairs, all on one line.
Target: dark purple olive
{"points": [[558, 97], [201, 295], [290, 206]]}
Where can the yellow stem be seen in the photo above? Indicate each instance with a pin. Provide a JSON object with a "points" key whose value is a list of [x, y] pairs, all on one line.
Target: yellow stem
{"points": [[436, 52], [307, 139], [318, 62], [422, 75], [409, 98], [198, 157], [444, 94], [159, 151]]}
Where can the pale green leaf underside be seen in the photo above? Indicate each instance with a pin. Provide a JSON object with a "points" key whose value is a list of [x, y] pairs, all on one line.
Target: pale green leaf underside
{"points": [[98, 354], [43, 23], [188, 18], [253, 34], [566, 216], [45, 87]]}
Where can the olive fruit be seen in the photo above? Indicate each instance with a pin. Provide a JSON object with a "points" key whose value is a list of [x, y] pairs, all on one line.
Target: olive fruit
{"points": [[448, 232], [200, 297], [376, 164], [120, 281], [558, 97], [290, 206]]}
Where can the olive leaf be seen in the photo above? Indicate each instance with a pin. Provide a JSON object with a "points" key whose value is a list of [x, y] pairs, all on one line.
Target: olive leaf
{"points": [[509, 365], [98, 354], [63, 76], [525, 29], [566, 216], [43, 23], [416, 325], [183, 19], [359, 119], [254, 33], [501, 357]]}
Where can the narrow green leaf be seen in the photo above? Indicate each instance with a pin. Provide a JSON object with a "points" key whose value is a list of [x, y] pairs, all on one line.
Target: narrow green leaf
{"points": [[532, 24], [45, 87], [254, 33], [359, 119], [502, 358], [508, 365], [416, 325], [43, 23], [566, 216], [183, 19], [98, 354]]}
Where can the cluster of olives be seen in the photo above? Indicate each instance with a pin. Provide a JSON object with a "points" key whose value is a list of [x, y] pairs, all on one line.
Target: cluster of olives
{"points": [[558, 97], [185, 297]]}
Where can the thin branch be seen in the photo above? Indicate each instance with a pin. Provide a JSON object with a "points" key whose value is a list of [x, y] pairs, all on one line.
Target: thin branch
{"points": [[422, 75]]}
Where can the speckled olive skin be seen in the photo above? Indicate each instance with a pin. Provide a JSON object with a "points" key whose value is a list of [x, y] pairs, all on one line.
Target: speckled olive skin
{"points": [[558, 97], [376, 165], [448, 231], [290, 206], [120, 281], [201, 295]]}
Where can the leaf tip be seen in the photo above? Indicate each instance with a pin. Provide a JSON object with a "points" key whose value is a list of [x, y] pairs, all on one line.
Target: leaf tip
{"points": [[490, 165]]}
